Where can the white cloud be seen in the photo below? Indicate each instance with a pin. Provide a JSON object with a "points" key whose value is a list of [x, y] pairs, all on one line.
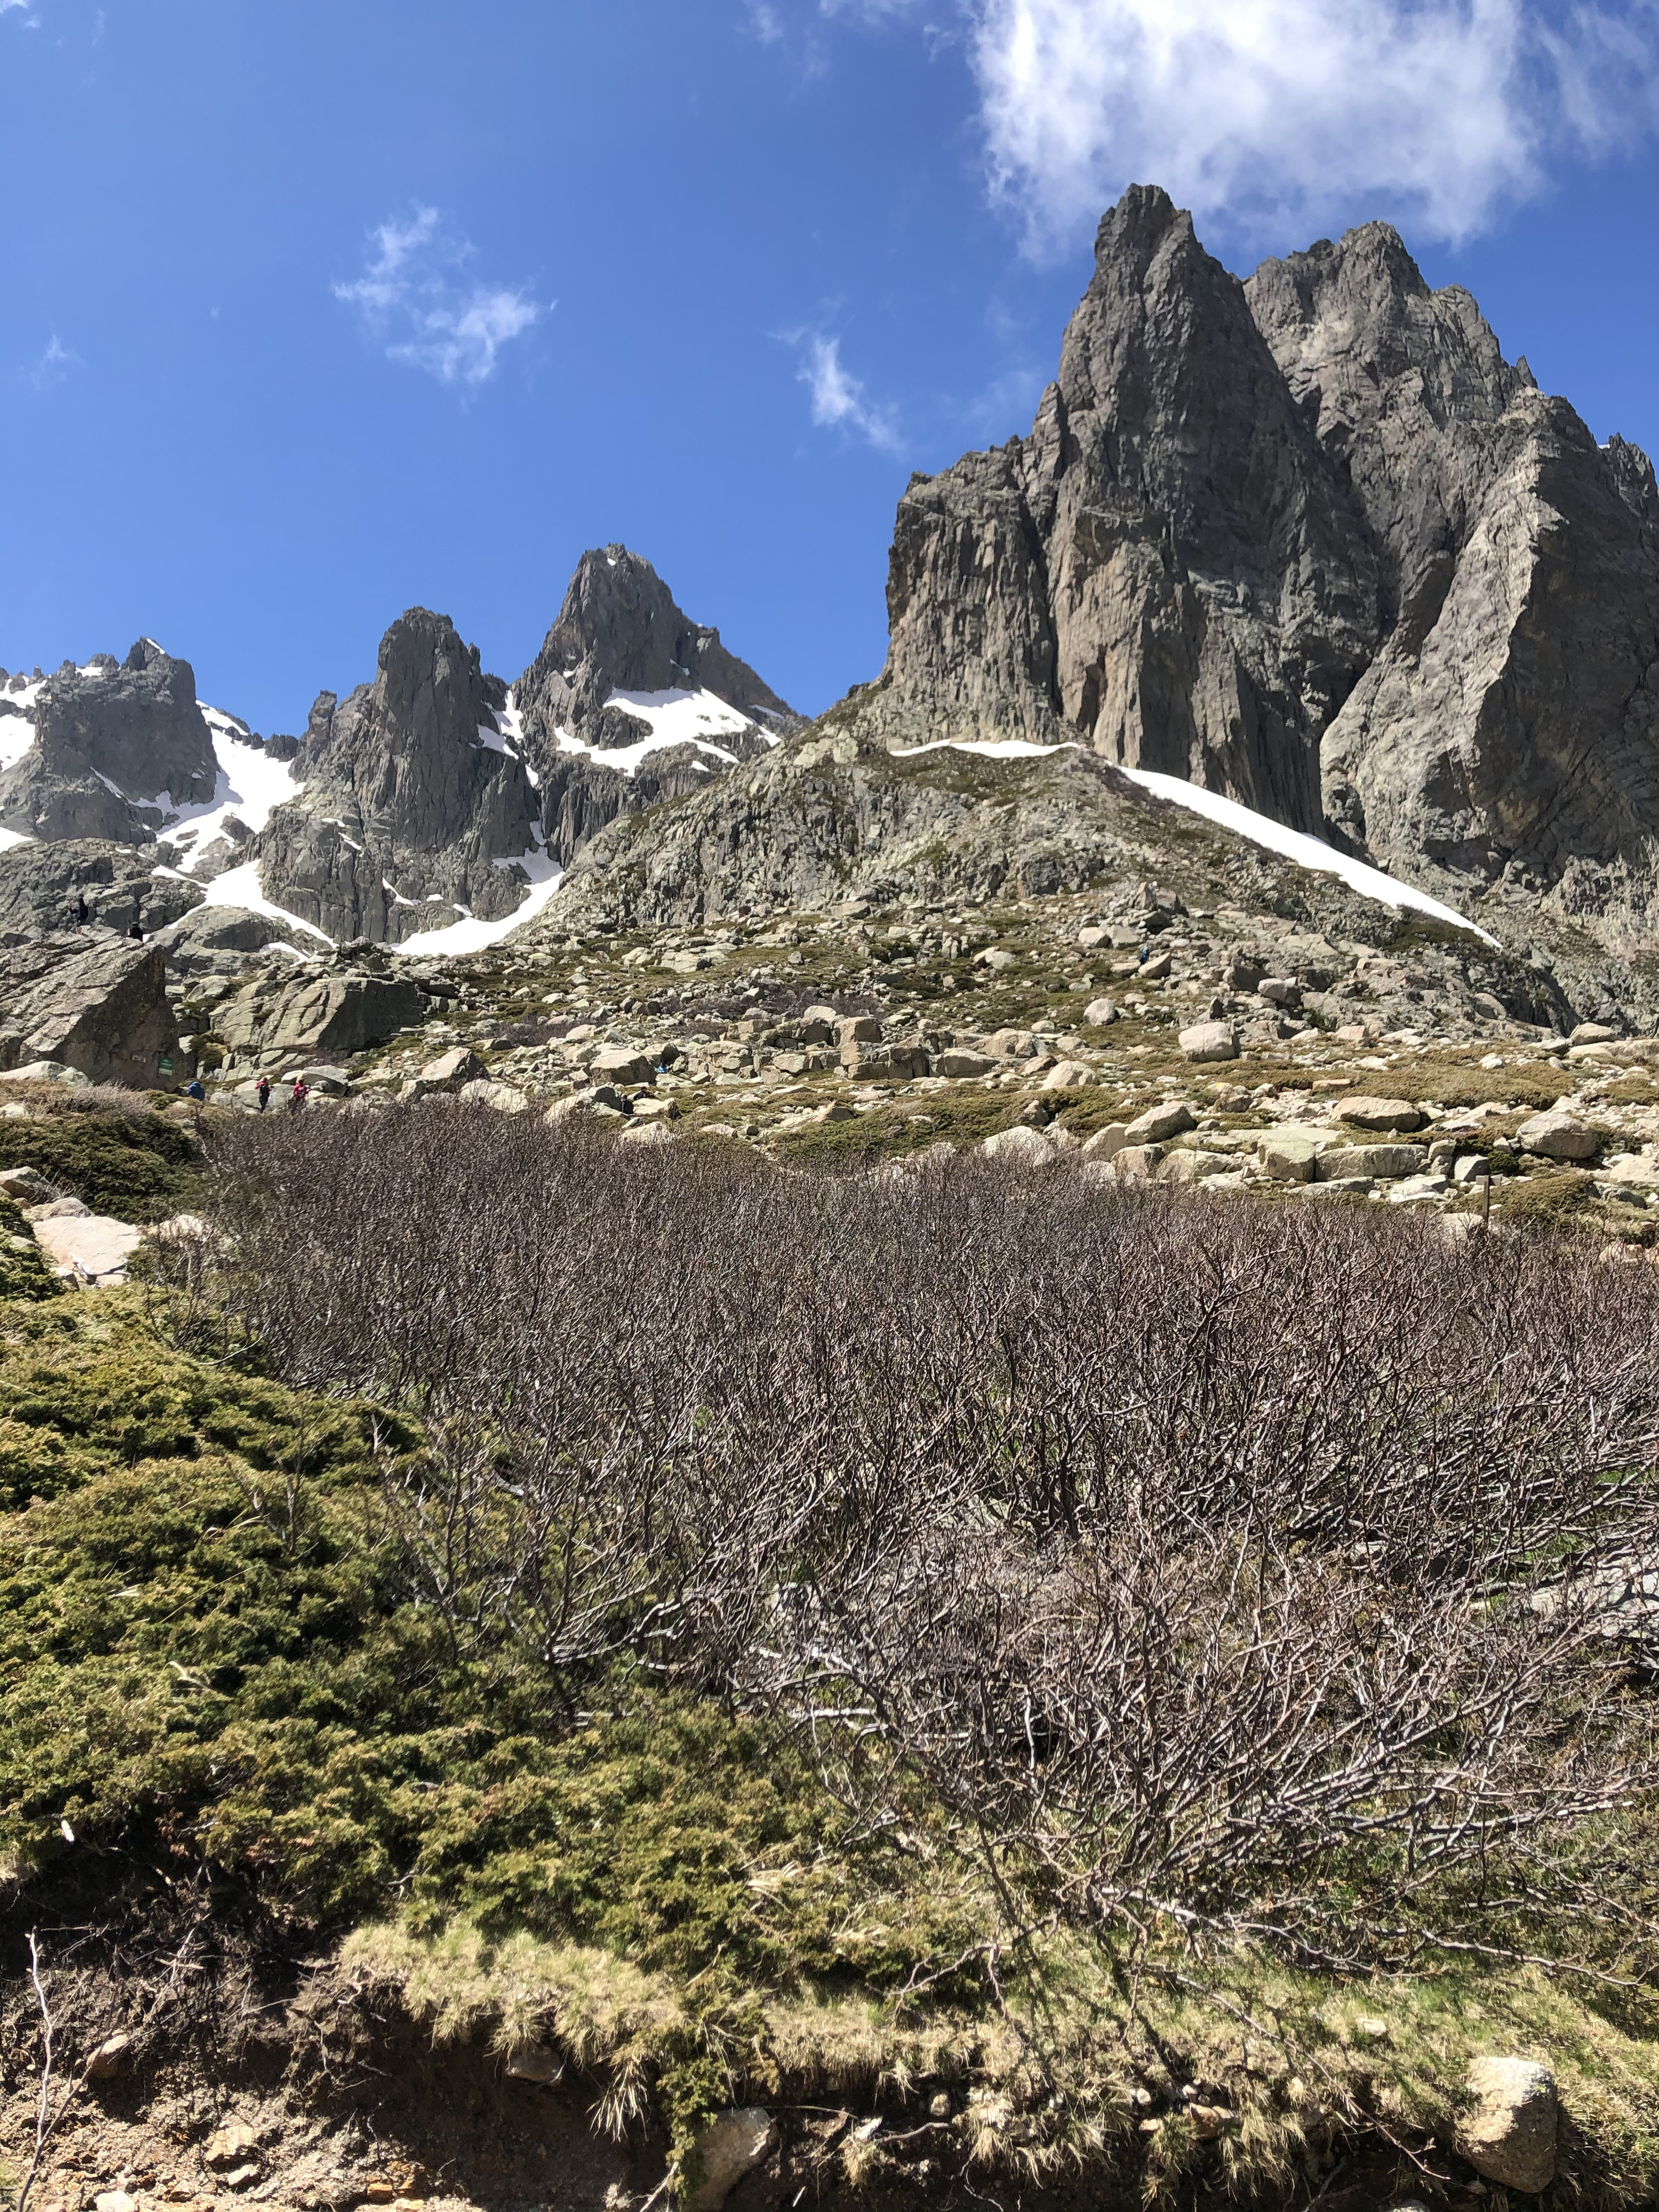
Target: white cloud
{"points": [[53, 363], [838, 399], [1282, 112], [412, 295]]}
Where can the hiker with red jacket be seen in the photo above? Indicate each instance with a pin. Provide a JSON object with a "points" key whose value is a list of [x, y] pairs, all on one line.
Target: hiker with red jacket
{"points": [[298, 1096]]}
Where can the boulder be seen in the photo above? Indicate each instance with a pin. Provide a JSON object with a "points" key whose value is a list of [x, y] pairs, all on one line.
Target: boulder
{"points": [[103, 1012], [1195, 1166], [1021, 1145], [1507, 2130], [217, 938], [963, 1064], [621, 1063], [343, 1009], [1136, 1163], [1593, 1033], [502, 1097], [1558, 1136], [1279, 991], [733, 2144], [1288, 1155], [1068, 1075], [995, 957], [451, 1069], [1381, 1114], [1100, 1013], [1159, 1123], [857, 1029], [645, 1132], [1106, 1143], [1207, 1041], [1370, 1163], [92, 1247]]}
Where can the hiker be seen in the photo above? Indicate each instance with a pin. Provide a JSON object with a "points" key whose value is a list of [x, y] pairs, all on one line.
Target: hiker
{"points": [[83, 911], [194, 1089], [136, 928], [262, 1092], [298, 1096]]}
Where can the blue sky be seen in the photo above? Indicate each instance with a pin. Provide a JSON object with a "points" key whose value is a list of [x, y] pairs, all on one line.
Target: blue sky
{"points": [[314, 312]]}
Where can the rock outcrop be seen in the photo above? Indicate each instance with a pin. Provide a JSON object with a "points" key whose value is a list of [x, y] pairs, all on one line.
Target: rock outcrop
{"points": [[623, 672], [117, 750], [1311, 542], [41, 885], [620, 630], [103, 1010], [415, 806], [340, 1011]]}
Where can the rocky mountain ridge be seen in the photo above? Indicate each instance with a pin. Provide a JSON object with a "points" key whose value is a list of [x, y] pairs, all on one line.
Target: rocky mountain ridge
{"points": [[1311, 542]]}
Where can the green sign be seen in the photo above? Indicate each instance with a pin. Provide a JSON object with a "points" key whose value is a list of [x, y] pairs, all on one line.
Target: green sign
{"points": [[164, 1066]]}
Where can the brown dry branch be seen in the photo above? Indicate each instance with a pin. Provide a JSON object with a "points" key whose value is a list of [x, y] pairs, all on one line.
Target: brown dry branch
{"points": [[1225, 1568]]}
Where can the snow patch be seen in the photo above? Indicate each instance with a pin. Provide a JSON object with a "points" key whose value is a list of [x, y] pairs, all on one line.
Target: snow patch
{"points": [[672, 717], [1243, 821], [1296, 845], [250, 785], [472, 935], [240, 887]]}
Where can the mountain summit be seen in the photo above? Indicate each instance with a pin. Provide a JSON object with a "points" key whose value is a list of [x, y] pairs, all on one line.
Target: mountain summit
{"points": [[1312, 543]]}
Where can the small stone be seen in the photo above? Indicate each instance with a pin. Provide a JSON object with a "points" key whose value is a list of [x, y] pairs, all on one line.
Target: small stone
{"points": [[733, 2144], [229, 2145], [115, 2200], [529, 2062], [1508, 2131], [1209, 1040], [110, 2057], [939, 2105]]}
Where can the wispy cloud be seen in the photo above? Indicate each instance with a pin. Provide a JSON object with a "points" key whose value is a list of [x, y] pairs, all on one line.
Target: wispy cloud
{"points": [[839, 401], [1283, 115], [413, 296], [52, 364]]}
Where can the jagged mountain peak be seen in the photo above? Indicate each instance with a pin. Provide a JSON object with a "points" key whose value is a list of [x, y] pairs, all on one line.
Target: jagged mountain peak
{"points": [[620, 630]]}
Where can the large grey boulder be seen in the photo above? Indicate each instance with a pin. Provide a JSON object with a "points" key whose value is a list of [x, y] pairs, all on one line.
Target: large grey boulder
{"points": [[411, 798], [136, 726], [340, 1012], [103, 1010], [215, 939], [1507, 2130]]}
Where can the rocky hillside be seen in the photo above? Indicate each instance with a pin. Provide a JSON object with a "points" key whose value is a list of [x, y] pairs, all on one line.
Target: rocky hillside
{"points": [[1312, 542]]}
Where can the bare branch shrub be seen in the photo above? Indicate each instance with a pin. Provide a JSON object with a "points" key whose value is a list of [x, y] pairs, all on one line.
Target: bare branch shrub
{"points": [[1273, 1571]]}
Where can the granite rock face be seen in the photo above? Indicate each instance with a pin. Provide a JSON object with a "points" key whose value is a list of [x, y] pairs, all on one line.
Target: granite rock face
{"points": [[412, 798], [1311, 542], [619, 629], [135, 727], [102, 1010], [40, 884]]}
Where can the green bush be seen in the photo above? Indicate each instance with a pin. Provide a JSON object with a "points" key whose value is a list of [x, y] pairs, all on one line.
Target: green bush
{"points": [[138, 1168]]}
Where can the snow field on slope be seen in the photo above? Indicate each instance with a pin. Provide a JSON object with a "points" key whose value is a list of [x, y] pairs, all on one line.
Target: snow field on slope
{"points": [[250, 785], [1243, 822], [675, 718]]}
